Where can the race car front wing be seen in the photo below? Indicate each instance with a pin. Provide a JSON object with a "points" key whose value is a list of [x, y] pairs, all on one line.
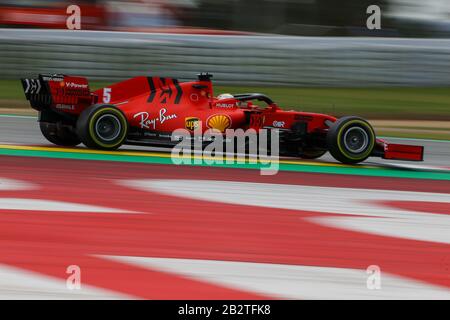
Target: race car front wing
{"points": [[395, 151]]}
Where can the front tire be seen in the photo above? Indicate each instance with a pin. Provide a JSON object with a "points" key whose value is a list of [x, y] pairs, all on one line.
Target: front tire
{"points": [[102, 127], [351, 140]]}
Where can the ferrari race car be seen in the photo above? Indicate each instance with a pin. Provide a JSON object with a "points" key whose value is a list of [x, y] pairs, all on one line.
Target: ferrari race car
{"points": [[147, 110]]}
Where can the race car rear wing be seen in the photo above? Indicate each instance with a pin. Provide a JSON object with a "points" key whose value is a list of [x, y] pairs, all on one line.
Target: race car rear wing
{"points": [[68, 93]]}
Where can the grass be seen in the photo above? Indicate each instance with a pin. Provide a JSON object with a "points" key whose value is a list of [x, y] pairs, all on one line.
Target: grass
{"points": [[382, 103]]}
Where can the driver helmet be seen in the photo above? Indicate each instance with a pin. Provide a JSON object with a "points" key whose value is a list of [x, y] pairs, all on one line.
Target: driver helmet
{"points": [[225, 96]]}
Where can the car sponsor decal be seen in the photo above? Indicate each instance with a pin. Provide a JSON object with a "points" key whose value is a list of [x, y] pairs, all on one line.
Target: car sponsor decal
{"points": [[225, 105], [65, 106], [219, 122], [146, 123], [192, 123], [76, 85], [179, 91], [278, 124], [70, 86], [166, 90], [56, 78], [151, 84]]}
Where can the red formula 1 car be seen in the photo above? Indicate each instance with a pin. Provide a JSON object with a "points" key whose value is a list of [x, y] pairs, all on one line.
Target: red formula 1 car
{"points": [[146, 110]]}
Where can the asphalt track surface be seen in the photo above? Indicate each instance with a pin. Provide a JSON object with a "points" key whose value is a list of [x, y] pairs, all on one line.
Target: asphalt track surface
{"points": [[138, 226], [24, 130]]}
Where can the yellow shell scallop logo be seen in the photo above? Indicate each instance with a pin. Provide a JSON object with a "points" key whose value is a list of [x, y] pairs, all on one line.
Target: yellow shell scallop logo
{"points": [[219, 122]]}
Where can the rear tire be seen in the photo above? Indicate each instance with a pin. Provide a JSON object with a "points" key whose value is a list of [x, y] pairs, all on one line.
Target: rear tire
{"points": [[351, 140], [102, 127], [59, 135]]}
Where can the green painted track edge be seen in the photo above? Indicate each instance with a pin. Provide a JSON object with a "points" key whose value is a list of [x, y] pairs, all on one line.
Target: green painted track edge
{"points": [[373, 172]]}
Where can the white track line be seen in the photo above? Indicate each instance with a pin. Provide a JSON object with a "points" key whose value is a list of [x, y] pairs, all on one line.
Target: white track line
{"points": [[291, 281], [415, 139], [13, 185], [410, 166], [51, 205], [16, 283], [360, 208], [17, 116]]}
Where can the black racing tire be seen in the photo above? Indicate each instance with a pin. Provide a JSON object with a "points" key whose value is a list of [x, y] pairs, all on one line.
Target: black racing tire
{"points": [[351, 140], [102, 126], [312, 153], [59, 135]]}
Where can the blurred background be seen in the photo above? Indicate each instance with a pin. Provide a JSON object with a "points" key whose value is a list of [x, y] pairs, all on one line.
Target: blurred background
{"points": [[314, 55], [410, 18]]}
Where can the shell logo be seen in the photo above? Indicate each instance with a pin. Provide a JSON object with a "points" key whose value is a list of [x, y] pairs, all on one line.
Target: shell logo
{"points": [[219, 122]]}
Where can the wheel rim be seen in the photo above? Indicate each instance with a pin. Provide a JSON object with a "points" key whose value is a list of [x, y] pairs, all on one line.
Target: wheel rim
{"points": [[356, 140], [108, 127]]}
